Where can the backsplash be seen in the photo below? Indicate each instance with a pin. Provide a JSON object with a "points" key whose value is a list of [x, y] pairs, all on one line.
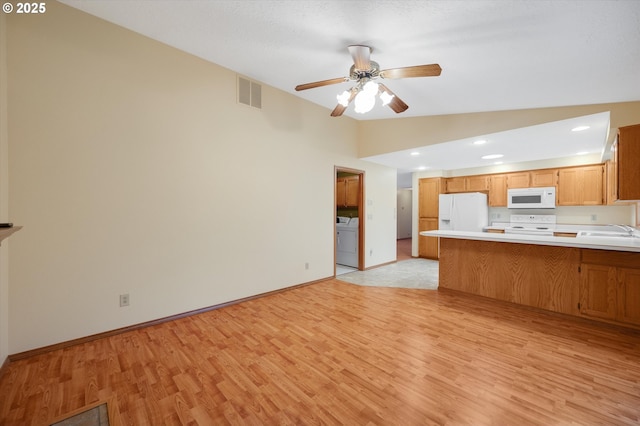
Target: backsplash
{"points": [[579, 215]]}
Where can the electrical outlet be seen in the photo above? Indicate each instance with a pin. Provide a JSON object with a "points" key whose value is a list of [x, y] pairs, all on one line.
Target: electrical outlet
{"points": [[124, 300], [306, 265], [594, 217]]}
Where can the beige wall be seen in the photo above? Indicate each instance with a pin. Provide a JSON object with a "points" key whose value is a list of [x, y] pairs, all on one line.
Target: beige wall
{"points": [[133, 170], [4, 188]]}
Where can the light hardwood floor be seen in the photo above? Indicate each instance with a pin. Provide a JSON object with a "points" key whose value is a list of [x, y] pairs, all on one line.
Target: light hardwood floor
{"points": [[338, 353]]}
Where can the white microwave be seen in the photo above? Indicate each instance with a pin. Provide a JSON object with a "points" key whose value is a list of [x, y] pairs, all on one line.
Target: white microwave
{"points": [[532, 198]]}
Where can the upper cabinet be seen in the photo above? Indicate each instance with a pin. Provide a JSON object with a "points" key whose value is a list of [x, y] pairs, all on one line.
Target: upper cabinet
{"points": [[429, 197], [455, 184], [478, 183], [581, 186], [347, 191], [498, 191], [518, 180], [575, 186], [626, 164], [544, 178]]}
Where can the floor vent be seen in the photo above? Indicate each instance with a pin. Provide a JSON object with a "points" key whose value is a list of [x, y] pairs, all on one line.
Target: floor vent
{"points": [[249, 93]]}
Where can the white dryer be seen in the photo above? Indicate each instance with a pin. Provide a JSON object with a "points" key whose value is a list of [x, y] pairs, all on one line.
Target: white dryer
{"points": [[347, 242]]}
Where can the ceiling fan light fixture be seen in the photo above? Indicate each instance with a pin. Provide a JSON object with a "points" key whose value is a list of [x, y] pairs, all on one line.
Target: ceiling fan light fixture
{"points": [[363, 71], [386, 98], [364, 102], [371, 87], [366, 98], [343, 98]]}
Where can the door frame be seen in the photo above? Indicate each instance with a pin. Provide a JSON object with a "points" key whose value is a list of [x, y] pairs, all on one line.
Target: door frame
{"points": [[361, 216]]}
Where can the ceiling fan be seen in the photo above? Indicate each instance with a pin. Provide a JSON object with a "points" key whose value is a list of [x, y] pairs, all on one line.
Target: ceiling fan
{"points": [[364, 71]]}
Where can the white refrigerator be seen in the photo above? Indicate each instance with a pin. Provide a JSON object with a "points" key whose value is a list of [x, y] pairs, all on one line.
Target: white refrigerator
{"points": [[463, 212]]}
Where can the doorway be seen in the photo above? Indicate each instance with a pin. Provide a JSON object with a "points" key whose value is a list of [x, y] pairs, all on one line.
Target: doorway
{"points": [[349, 220]]}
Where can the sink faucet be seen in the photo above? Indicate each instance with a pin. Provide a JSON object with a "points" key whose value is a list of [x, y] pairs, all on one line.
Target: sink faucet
{"points": [[628, 229]]}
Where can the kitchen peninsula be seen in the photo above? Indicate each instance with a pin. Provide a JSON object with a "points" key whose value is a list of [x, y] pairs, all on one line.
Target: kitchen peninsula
{"points": [[592, 277]]}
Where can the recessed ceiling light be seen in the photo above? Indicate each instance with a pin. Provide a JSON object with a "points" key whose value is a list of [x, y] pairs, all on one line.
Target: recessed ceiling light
{"points": [[582, 153], [498, 162], [422, 168], [579, 128], [492, 156], [414, 153], [480, 142]]}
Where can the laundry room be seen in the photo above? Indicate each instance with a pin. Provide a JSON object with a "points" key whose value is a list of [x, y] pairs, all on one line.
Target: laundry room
{"points": [[348, 201]]}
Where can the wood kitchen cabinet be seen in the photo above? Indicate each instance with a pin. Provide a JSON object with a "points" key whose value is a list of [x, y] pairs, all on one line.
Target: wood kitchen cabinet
{"points": [[581, 186], [628, 296], [626, 158], [476, 183], [429, 197], [455, 184], [429, 190], [498, 191], [610, 286], [428, 246], [602, 285], [575, 186], [544, 178], [518, 180], [347, 191], [598, 291], [611, 184]]}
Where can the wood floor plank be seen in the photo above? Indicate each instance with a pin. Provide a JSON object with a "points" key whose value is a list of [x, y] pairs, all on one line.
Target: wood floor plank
{"points": [[338, 353]]}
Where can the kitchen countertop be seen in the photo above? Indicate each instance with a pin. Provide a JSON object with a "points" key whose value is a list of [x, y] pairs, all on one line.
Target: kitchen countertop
{"points": [[598, 243]]}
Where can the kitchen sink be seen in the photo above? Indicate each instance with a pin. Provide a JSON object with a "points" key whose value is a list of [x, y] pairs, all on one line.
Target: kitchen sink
{"points": [[604, 234]]}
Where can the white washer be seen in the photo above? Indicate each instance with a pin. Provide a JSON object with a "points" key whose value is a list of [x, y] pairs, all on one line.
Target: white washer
{"points": [[347, 243]]}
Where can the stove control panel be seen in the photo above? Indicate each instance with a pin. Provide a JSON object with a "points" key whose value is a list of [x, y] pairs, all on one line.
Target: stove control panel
{"points": [[533, 219]]}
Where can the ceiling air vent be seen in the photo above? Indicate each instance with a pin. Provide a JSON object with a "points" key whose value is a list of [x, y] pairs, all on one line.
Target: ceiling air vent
{"points": [[249, 93]]}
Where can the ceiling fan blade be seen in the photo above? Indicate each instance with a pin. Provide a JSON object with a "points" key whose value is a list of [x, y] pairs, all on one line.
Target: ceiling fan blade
{"points": [[340, 109], [396, 103], [321, 83], [431, 70], [361, 56]]}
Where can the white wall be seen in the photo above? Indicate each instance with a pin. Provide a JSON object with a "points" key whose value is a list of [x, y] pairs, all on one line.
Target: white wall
{"points": [[133, 170]]}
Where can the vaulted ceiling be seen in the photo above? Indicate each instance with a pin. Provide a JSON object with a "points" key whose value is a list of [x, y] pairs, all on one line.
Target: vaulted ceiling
{"points": [[495, 54]]}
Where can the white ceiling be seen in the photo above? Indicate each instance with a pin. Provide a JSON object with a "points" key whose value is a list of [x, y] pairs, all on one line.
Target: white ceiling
{"points": [[495, 54], [549, 141]]}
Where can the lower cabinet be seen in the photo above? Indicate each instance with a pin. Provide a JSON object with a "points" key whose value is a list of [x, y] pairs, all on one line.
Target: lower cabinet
{"points": [[628, 300], [428, 246], [610, 292], [599, 284], [598, 291]]}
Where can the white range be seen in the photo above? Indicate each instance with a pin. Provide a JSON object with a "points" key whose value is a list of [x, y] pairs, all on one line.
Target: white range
{"points": [[531, 224]]}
